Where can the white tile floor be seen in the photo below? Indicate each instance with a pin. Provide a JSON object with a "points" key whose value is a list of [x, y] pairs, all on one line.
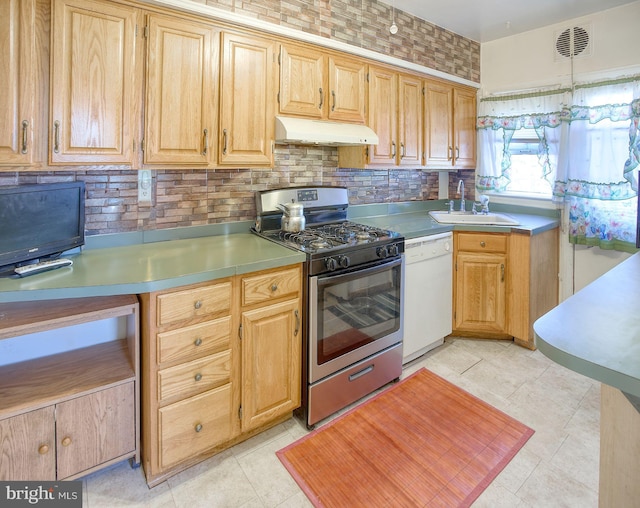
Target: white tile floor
{"points": [[558, 467]]}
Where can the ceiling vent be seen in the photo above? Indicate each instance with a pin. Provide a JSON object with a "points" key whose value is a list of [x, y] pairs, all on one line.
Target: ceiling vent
{"points": [[573, 42]]}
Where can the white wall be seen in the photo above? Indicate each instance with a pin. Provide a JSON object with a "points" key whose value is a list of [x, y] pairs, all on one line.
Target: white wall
{"points": [[529, 60]]}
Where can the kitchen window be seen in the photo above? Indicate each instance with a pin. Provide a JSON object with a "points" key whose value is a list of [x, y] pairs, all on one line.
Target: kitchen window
{"points": [[577, 146]]}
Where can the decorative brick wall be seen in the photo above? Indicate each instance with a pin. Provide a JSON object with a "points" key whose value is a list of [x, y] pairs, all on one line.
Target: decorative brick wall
{"points": [[185, 197], [365, 24]]}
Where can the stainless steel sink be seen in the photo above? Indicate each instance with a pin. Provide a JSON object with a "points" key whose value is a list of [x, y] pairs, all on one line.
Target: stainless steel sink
{"points": [[489, 219]]}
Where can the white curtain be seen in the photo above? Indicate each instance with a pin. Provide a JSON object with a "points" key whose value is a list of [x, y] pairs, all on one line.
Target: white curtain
{"points": [[500, 118]]}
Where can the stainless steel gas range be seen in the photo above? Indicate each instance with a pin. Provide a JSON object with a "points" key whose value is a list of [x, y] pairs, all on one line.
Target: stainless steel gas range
{"points": [[352, 339]]}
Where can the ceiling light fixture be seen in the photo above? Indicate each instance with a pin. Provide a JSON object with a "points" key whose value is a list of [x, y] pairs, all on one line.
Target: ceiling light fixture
{"points": [[393, 29]]}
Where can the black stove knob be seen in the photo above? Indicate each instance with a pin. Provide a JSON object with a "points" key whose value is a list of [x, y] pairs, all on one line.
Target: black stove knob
{"points": [[331, 264], [382, 252], [393, 250], [344, 262]]}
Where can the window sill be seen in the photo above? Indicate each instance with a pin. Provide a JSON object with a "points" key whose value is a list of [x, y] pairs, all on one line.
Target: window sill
{"points": [[521, 200]]}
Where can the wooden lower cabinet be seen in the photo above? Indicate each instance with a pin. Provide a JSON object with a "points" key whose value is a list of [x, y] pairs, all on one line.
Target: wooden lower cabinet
{"points": [[480, 265], [220, 362], [503, 282], [27, 446], [271, 350], [95, 428]]}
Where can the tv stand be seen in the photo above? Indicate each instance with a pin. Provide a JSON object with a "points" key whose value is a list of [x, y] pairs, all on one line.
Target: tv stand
{"points": [[69, 414]]}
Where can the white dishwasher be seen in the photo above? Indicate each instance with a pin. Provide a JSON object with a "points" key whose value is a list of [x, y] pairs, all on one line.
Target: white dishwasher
{"points": [[428, 288]]}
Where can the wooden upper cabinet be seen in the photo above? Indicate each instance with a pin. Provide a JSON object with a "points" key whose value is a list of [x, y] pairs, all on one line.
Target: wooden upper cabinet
{"points": [[409, 120], [181, 91], [464, 122], [93, 89], [438, 104], [316, 85], [383, 115], [450, 133], [347, 90], [247, 99], [17, 86], [395, 115], [303, 87]]}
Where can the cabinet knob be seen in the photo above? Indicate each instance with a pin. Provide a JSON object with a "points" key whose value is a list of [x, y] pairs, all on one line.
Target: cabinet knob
{"points": [[44, 449], [197, 305], [198, 427], [198, 377], [197, 342], [274, 287], [482, 244], [66, 441]]}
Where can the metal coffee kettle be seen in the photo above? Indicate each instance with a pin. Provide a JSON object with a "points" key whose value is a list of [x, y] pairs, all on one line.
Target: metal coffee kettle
{"points": [[293, 219]]}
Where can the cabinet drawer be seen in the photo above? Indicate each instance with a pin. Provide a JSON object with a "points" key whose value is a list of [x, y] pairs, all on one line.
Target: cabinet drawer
{"points": [[262, 288], [194, 303], [195, 376], [194, 341], [482, 242], [191, 426]]}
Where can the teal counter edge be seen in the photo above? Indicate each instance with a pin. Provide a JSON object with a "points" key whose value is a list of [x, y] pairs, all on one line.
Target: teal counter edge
{"points": [[589, 369]]}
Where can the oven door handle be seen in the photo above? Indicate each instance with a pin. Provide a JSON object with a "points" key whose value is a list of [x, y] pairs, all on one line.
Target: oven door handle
{"points": [[356, 273]]}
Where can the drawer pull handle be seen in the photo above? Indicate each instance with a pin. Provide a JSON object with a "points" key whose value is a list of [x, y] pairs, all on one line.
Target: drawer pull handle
{"points": [[274, 287], [198, 377], [197, 342], [482, 244], [66, 441], [43, 450], [198, 427], [197, 305]]}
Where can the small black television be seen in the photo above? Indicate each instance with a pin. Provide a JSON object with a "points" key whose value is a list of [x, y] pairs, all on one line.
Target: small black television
{"points": [[40, 221]]}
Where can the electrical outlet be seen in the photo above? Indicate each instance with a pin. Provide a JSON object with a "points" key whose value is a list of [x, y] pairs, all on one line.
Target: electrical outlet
{"points": [[144, 187]]}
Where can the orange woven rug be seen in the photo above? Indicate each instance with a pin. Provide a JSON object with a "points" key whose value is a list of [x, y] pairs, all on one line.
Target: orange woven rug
{"points": [[422, 442]]}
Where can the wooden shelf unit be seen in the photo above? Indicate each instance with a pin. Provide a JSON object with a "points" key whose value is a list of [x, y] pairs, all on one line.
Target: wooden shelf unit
{"points": [[97, 370]]}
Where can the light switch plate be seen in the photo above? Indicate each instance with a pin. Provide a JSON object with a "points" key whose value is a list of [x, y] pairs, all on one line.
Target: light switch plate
{"points": [[144, 187]]}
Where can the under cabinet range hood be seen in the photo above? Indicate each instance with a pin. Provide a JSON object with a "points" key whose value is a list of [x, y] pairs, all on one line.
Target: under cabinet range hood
{"points": [[302, 131]]}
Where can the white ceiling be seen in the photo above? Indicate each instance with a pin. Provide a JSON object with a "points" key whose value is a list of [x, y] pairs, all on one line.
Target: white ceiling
{"points": [[486, 20]]}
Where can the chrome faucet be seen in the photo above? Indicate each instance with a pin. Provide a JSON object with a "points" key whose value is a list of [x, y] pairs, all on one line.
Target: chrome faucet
{"points": [[461, 192]]}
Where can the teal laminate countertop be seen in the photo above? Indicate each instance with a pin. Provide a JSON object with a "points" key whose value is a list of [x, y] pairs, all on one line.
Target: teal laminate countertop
{"points": [[140, 262], [596, 331], [412, 220], [145, 267]]}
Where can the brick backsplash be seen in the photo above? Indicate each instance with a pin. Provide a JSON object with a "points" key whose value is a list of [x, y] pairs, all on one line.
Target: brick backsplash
{"points": [[186, 197]]}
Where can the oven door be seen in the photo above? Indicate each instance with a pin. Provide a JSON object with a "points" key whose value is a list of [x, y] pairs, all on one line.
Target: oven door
{"points": [[353, 315]]}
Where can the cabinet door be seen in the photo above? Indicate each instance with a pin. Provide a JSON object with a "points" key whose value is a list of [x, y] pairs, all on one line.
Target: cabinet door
{"points": [[17, 54], [347, 92], [438, 125], [302, 88], [480, 304], [27, 446], [246, 103], [181, 92], [383, 107], [95, 428], [93, 83], [410, 121], [464, 121], [271, 362]]}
